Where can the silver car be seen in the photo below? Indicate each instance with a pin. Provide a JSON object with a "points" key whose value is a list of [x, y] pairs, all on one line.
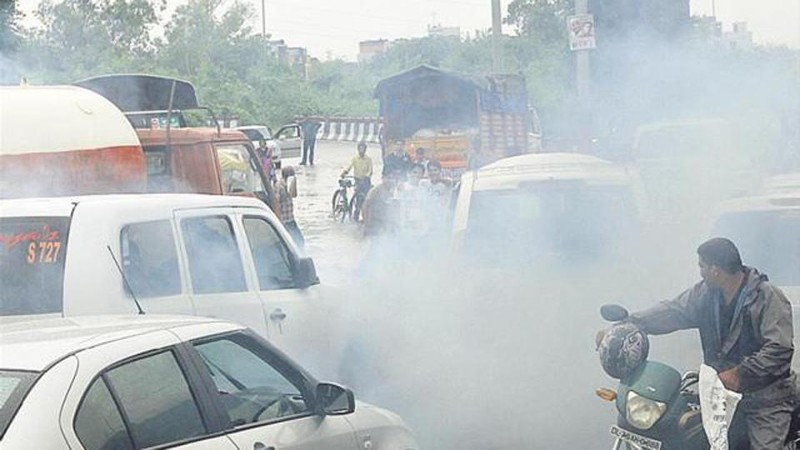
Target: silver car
{"points": [[133, 382]]}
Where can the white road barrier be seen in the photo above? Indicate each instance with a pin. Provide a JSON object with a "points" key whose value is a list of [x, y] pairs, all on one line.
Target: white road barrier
{"points": [[350, 129]]}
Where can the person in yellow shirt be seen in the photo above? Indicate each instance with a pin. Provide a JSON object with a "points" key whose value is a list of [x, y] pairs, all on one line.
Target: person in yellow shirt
{"points": [[361, 165]]}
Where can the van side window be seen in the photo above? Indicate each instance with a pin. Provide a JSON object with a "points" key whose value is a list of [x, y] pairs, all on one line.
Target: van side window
{"points": [[150, 259], [215, 264], [271, 256], [239, 169]]}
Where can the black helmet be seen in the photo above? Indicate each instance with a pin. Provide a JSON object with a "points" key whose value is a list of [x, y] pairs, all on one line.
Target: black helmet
{"points": [[622, 349]]}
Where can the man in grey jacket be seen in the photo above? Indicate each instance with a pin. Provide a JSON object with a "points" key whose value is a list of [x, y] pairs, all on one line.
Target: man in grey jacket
{"points": [[746, 332]]}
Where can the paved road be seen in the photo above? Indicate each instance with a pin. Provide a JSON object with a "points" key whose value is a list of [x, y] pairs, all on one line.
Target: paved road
{"points": [[335, 247]]}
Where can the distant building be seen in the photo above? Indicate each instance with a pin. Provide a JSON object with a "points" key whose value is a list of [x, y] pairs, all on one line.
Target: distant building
{"points": [[294, 57], [739, 38], [440, 31], [370, 49]]}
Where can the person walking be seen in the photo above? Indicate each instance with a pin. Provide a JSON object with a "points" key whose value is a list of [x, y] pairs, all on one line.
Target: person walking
{"points": [[308, 131]]}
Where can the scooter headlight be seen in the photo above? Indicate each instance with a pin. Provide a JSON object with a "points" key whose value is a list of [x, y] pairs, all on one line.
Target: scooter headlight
{"points": [[642, 412]]}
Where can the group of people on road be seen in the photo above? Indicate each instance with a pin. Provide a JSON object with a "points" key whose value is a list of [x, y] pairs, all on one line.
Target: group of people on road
{"points": [[409, 206]]}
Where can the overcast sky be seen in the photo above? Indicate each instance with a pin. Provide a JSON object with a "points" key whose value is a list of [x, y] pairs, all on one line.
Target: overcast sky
{"points": [[334, 27]]}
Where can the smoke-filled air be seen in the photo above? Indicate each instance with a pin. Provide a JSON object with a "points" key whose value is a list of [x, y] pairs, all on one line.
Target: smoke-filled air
{"points": [[470, 198]]}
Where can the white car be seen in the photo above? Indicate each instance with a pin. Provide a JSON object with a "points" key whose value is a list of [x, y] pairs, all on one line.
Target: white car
{"points": [[766, 228], [207, 255], [257, 132], [545, 207], [135, 382]]}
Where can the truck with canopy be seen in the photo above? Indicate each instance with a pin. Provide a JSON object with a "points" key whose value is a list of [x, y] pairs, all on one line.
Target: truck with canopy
{"points": [[461, 121]]}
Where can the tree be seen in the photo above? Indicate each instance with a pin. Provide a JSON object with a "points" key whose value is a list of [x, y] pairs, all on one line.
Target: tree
{"points": [[80, 38], [9, 27]]}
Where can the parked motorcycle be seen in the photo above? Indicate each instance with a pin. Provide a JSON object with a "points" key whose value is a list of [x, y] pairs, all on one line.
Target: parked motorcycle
{"points": [[659, 409]]}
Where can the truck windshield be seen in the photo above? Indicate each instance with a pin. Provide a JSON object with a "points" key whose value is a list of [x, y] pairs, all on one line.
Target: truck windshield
{"points": [[13, 387], [32, 253], [548, 221], [767, 240]]}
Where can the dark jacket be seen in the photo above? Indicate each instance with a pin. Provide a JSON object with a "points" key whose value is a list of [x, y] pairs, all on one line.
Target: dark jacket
{"points": [[759, 343]]}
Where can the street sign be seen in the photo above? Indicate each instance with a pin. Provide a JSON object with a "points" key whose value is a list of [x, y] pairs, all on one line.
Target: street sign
{"points": [[581, 32]]}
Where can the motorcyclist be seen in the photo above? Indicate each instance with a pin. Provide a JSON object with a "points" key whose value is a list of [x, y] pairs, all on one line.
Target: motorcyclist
{"points": [[746, 332]]}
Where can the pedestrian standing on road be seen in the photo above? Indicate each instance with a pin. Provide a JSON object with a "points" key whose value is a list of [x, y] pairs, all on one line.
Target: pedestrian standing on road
{"points": [[382, 216], [308, 131], [284, 190], [397, 161], [745, 325]]}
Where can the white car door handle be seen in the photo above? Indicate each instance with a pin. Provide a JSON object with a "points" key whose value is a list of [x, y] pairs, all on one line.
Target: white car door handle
{"points": [[261, 446], [277, 315]]}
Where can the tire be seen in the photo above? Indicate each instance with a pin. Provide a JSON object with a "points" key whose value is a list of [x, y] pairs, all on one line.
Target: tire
{"points": [[340, 206]]}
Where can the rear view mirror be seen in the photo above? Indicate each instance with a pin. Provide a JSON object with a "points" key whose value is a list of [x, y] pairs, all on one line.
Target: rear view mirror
{"points": [[613, 313], [306, 272], [334, 400]]}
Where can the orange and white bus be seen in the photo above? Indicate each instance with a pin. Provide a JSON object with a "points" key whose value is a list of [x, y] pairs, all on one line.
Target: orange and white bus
{"points": [[66, 140]]}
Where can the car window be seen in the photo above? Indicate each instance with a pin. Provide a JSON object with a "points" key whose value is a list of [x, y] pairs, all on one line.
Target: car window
{"points": [[98, 423], [249, 387], [32, 255], [288, 133], [546, 220], [150, 259], [239, 169], [271, 256], [215, 264], [156, 400], [13, 387]]}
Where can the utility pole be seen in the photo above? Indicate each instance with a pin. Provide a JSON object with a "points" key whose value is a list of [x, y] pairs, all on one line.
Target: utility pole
{"points": [[583, 84], [264, 18], [497, 36]]}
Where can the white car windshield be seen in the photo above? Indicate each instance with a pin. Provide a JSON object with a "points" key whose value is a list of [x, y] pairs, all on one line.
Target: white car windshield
{"points": [[562, 220]]}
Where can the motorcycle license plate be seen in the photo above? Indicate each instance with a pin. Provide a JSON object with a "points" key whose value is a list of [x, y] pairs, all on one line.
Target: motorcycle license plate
{"points": [[638, 441]]}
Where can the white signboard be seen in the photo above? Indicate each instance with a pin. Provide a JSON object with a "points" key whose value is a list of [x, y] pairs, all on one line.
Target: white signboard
{"points": [[581, 32]]}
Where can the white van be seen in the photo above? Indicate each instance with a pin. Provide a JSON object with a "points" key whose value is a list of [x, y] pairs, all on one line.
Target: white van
{"points": [[766, 228], [545, 206], [217, 256]]}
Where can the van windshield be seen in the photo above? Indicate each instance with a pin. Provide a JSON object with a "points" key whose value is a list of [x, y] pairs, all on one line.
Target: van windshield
{"points": [[569, 221], [13, 387], [767, 240], [32, 253]]}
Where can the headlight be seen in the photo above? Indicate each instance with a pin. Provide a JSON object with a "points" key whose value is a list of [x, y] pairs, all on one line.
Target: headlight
{"points": [[642, 412]]}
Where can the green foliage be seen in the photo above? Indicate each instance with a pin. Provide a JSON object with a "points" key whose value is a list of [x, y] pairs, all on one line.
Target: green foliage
{"points": [[9, 26]]}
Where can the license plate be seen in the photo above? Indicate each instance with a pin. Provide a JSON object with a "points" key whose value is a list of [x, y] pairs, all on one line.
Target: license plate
{"points": [[635, 439]]}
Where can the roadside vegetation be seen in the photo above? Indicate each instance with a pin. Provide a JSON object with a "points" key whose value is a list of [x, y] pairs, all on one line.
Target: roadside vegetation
{"points": [[237, 73]]}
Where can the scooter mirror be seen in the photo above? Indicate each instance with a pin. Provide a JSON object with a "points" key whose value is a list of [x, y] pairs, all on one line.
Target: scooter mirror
{"points": [[613, 313]]}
